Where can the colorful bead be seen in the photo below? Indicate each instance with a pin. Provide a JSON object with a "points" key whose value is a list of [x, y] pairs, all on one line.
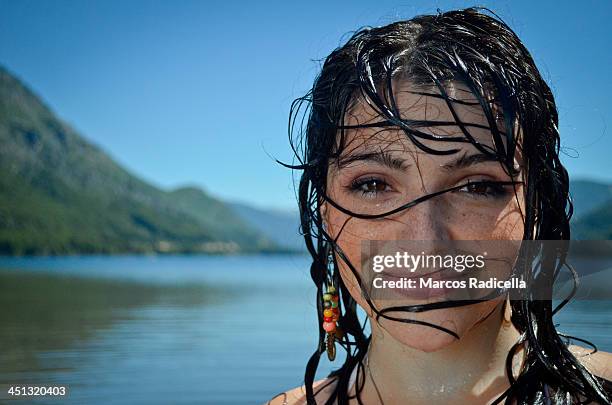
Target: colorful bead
{"points": [[331, 312], [329, 326]]}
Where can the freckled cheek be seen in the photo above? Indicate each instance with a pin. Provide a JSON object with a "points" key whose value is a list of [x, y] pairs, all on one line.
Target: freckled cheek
{"points": [[470, 225], [511, 226], [473, 222], [352, 235]]}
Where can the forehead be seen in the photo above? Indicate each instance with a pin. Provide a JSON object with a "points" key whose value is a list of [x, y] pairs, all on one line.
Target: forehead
{"points": [[427, 113]]}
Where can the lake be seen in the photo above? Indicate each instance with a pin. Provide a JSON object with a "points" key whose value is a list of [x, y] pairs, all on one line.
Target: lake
{"points": [[177, 329]]}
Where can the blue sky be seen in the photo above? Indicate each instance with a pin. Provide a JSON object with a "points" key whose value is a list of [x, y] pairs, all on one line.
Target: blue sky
{"points": [[192, 92]]}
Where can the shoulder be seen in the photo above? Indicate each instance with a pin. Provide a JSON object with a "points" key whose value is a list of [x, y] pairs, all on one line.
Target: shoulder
{"points": [[323, 389], [598, 363]]}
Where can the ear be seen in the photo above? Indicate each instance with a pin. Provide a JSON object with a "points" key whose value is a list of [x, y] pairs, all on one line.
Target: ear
{"points": [[324, 211]]}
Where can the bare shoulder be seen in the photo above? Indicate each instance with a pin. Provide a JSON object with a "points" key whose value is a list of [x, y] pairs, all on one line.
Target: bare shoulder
{"points": [[323, 389], [598, 363]]}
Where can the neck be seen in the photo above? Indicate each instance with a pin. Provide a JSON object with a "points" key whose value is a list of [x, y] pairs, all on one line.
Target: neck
{"points": [[470, 370]]}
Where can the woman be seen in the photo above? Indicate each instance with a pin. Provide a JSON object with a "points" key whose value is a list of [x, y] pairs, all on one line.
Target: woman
{"points": [[439, 128]]}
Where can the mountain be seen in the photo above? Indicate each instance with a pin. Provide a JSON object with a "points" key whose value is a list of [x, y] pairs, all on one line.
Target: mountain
{"points": [[595, 225], [588, 195], [281, 227], [218, 217], [60, 194], [592, 218]]}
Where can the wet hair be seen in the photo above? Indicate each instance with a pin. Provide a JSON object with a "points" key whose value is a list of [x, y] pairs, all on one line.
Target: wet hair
{"points": [[476, 48]]}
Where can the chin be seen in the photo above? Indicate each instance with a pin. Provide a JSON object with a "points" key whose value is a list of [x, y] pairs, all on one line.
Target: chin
{"points": [[428, 339], [420, 337]]}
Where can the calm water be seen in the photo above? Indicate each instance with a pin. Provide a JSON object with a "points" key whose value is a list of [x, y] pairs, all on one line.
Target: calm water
{"points": [[176, 329]]}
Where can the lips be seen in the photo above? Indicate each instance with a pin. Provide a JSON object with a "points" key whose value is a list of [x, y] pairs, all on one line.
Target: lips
{"points": [[418, 292], [436, 274]]}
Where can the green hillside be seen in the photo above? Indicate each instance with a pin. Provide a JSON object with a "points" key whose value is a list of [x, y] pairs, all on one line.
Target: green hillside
{"points": [[60, 194], [595, 225], [592, 218], [588, 195]]}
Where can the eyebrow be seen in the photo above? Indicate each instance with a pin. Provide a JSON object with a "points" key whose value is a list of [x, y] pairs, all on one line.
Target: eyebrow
{"points": [[464, 161], [382, 157], [387, 159]]}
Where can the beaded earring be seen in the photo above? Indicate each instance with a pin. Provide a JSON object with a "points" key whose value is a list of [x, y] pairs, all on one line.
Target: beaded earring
{"points": [[331, 314]]}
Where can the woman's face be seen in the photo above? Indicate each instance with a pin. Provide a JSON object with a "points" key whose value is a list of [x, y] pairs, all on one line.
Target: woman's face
{"points": [[380, 169]]}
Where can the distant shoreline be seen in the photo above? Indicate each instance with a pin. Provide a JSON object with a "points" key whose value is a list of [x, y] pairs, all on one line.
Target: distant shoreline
{"points": [[280, 252]]}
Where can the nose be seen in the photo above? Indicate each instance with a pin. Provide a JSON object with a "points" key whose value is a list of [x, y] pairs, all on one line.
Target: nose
{"points": [[425, 221]]}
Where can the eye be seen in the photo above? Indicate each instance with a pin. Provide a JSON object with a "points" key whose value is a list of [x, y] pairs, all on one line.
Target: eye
{"points": [[370, 187], [484, 189]]}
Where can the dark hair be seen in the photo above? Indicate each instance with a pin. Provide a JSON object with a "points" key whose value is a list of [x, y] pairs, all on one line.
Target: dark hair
{"points": [[475, 47]]}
